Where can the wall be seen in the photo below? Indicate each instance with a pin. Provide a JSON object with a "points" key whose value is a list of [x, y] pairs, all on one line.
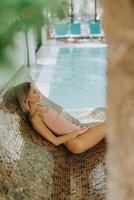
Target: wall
{"points": [[18, 55]]}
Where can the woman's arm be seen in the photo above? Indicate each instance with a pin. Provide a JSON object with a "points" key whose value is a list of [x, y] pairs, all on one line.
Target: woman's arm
{"points": [[40, 127]]}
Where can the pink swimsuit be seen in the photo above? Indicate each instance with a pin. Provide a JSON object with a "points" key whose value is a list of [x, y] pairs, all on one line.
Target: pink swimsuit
{"points": [[58, 123]]}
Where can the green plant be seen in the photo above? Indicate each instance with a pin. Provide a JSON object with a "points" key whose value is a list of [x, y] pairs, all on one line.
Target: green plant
{"points": [[17, 15]]}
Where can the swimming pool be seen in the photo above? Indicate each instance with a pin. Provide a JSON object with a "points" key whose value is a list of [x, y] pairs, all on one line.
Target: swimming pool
{"points": [[79, 78]]}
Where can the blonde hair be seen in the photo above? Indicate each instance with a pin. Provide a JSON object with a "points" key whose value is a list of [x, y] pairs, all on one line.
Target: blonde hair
{"points": [[21, 92]]}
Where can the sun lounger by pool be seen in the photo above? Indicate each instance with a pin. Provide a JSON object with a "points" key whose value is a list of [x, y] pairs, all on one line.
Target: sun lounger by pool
{"points": [[61, 31], [75, 30], [95, 28]]}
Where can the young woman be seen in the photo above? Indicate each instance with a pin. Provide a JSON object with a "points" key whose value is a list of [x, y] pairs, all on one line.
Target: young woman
{"points": [[54, 126]]}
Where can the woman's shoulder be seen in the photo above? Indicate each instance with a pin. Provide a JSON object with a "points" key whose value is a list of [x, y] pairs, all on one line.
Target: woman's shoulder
{"points": [[35, 118], [39, 112], [32, 115]]}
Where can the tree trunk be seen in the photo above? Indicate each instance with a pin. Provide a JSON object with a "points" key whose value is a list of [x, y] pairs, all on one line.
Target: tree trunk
{"points": [[119, 28]]}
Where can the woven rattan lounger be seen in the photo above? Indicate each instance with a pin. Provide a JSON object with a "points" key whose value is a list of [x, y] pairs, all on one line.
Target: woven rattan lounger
{"points": [[31, 168]]}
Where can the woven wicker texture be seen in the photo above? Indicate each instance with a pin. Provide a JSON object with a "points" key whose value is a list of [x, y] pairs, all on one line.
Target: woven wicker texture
{"points": [[32, 168]]}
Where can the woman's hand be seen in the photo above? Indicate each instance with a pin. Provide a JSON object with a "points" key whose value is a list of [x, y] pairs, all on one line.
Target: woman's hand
{"points": [[83, 129], [76, 133]]}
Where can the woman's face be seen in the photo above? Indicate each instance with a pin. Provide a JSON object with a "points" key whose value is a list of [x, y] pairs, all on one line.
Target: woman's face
{"points": [[33, 95]]}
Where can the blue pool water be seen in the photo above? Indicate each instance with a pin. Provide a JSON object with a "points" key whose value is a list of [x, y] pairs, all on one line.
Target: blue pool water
{"points": [[79, 78]]}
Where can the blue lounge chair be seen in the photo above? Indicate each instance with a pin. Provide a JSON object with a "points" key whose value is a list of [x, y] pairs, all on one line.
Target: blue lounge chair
{"points": [[95, 28], [75, 29], [61, 30]]}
